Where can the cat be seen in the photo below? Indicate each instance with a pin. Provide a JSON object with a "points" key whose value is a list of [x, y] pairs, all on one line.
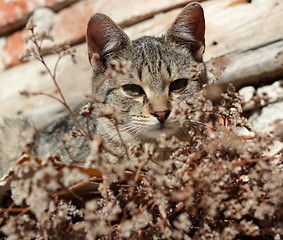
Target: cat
{"points": [[162, 70]]}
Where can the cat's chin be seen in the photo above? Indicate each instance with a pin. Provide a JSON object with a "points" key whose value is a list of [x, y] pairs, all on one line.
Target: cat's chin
{"points": [[156, 131]]}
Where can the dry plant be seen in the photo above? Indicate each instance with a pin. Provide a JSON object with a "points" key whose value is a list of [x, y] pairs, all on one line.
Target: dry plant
{"points": [[218, 185]]}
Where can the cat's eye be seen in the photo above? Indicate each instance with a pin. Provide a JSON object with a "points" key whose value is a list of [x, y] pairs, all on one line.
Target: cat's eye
{"points": [[133, 90], [178, 85]]}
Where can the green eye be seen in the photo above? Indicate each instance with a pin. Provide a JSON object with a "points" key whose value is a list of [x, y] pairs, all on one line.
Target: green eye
{"points": [[133, 90], [178, 85]]}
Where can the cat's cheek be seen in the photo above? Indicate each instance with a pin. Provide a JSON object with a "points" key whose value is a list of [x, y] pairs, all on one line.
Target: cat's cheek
{"points": [[155, 133]]}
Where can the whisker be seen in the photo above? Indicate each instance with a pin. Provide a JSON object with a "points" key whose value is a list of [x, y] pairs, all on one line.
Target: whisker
{"points": [[131, 130]]}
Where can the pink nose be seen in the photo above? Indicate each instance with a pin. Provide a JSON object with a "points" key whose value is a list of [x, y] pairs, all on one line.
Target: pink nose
{"points": [[161, 115]]}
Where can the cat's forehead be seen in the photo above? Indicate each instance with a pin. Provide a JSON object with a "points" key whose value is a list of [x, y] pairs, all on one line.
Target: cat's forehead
{"points": [[149, 58], [156, 63], [149, 49], [154, 51]]}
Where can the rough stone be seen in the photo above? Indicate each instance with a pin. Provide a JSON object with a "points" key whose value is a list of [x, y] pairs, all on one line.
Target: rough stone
{"points": [[14, 49], [3, 43], [265, 119], [271, 93], [44, 20], [14, 14], [247, 93], [68, 28], [263, 96]]}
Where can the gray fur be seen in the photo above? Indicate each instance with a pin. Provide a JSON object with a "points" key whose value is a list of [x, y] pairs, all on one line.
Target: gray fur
{"points": [[16, 137], [155, 63]]}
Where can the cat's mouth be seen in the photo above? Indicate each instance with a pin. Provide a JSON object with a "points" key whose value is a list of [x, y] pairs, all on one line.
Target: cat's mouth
{"points": [[161, 128], [149, 131]]}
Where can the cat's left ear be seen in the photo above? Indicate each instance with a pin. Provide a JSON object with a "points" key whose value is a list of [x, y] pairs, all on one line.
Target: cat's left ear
{"points": [[188, 30], [105, 40]]}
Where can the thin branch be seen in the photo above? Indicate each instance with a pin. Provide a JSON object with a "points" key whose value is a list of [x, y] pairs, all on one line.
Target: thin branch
{"points": [[53, 77]]}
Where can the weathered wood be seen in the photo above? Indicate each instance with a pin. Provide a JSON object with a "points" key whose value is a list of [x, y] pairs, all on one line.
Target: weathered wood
{"points": [[249, 35], [230, 27], [242, 27], [73, 79], [254, 66]]}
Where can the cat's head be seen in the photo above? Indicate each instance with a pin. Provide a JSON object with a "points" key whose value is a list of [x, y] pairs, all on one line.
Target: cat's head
{"points": [[162, 70]]}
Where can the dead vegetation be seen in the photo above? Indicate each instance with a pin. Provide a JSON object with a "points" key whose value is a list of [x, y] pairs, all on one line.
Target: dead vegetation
{"points": [[218, 185]]}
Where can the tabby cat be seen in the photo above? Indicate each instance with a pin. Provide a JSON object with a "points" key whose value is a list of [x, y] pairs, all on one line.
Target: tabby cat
{"points": [[162, 70]]}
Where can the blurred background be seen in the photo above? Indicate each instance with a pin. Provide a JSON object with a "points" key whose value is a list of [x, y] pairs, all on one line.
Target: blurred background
{"points": [[244, 46]]}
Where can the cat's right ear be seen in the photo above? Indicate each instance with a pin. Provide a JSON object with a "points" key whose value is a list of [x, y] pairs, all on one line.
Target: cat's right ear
{"points": [[188, 30], [105, 39]]}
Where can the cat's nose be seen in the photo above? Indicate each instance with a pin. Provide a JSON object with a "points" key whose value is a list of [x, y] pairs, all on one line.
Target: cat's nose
{"points": [[161, 115]]}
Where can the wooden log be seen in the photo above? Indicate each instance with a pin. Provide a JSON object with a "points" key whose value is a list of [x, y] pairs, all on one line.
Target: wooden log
{"points": [[252, 67], [249, 35], [230, 27]]}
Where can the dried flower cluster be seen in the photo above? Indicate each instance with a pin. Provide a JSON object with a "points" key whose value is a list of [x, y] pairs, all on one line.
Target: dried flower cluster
{"points": [[218, 185]]}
